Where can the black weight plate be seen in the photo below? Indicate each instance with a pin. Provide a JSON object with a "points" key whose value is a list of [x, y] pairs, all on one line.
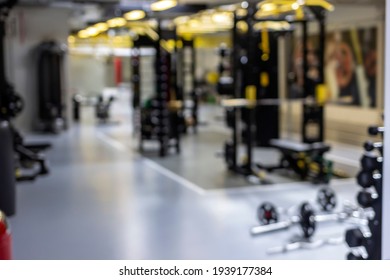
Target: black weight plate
{"points": [[308, 223], [267, 214], [326, 198]]}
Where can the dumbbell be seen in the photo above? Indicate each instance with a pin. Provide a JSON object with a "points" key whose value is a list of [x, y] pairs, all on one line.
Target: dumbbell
{"points": [[326, 198], [356, 238], [375, 130], [307, 220], [369, 146], [366, 199], [267, 213], [368, 179], [354, 257], [371, 162]]}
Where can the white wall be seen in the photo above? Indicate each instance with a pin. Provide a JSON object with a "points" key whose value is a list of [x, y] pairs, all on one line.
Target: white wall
{"points": [[87, 74], [27, 27]]}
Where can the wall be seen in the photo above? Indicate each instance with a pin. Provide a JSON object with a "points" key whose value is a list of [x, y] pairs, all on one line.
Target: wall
{"points": [[26, 28], [346, 124], [87, 74]]}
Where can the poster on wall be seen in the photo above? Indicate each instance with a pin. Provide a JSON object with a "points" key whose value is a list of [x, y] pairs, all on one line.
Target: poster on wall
{"points": [[350, 66]]}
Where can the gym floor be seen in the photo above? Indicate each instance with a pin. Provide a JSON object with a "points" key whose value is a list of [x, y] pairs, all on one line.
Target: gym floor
{"points": [[103, 200]]}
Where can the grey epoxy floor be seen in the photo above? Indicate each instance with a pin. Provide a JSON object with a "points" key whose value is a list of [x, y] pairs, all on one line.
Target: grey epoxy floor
{"points": [[103, 200]]}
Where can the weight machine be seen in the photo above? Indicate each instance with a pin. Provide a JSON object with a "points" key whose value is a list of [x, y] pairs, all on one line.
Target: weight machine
{"points": [[257, 101], [30, 163], [162, 119]]}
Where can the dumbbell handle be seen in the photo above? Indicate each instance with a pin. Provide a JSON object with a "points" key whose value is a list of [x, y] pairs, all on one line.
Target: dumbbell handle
{"points": [[275, 227], [341, 217]]}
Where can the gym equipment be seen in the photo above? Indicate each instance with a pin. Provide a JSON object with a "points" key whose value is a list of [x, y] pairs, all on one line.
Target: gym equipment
{"points": [[11, 104], [306, 160], [305, 244], [326, 199], [255, 99], [76, 105], [50, 57], [7, 170], [366, 199], [307, 220], [366, 243], [370, 146], [367, 179], [7, 110], [162, 119], [102, 108], [186, 84], [5, 238], [267, 213], [371, 162], [375, 130]]}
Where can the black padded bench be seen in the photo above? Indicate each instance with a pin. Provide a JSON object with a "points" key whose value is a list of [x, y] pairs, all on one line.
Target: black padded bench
{"points": [[288, 146], [301, 157]]}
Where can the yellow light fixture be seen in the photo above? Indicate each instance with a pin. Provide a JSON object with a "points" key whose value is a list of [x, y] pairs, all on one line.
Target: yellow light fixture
{"points": [[83, 34], [193, 23], [241, 12], [101, 27], [222, 17], [268, 7], [181, 20], [135, 15], [71, 39], [116, 22], [163, 5], [92, 31]]}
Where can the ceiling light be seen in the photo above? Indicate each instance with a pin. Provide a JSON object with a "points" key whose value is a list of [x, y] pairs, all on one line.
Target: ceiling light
{"points": [[83, 34], [163, 5], [221, 17], [116, 22], [71, 39], [101, 26], [92, 31], [268, 7], [181, 20], [135, 15], [295, 6]]}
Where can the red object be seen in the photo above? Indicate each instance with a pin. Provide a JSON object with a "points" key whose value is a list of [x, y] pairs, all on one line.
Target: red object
{"points": [[118, 70], [5, 239]]}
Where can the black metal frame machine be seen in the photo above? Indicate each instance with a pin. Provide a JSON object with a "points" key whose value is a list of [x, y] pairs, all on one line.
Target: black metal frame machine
{"points": [[255, 87], [51, 102], [162, 119], [29, 162]]}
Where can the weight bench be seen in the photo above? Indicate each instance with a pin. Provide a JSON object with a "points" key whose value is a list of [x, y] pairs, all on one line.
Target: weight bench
{"points": [[301, 158]]}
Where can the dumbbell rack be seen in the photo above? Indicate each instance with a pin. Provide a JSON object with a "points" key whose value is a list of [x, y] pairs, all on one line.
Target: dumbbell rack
{"points": [[370, 196]]}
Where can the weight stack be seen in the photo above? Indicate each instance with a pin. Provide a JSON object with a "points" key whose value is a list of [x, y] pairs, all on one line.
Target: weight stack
{"points": [[7, 171]]}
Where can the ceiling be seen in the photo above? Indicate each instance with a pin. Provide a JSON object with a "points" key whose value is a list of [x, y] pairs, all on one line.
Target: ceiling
{"points": [[85, 11]]}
